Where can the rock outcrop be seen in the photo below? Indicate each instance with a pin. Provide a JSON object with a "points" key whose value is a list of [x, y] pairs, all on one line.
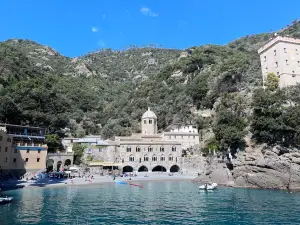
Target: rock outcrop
{"points": [[264, 167]]}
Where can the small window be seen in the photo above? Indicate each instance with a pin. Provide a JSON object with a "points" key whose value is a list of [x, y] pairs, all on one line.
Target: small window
{"points": [[8, 140], [276, 64], [287, 62], [0, 138], [162, 149], [298, 63], [284, 50], [297, 52], [154, 158], [150, 149], [15, 160], [173, 149], [146, 159], [128, 149], [293, 75], [39, 151], [26, 160], [162, 158], [131, 158], [145, 121], [138, 149], [6, 149], [5, 160], [170, 158], [265, 58], [27, 151], [150, 121], [293, 72], [274, 52], [38, 159]]}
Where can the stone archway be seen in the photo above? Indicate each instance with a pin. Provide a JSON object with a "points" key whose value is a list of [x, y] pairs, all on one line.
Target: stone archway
{"points": [[68, 162], [59, 164], [127, 169], [143, 169], [49, 165], [174, 169], [159, 169]]}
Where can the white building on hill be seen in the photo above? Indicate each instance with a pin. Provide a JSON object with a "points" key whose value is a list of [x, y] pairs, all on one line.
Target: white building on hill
{"points": [[281, 56]]}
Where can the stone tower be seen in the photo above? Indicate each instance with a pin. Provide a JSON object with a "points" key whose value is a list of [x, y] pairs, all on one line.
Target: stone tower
{"points": [[149, 123]]}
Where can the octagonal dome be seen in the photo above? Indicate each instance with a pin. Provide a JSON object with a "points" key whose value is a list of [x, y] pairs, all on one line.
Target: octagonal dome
{"points": [[149, 114]]}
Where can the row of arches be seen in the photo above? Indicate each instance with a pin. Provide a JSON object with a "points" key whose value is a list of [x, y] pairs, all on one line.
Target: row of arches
{"points": [[150, 149], [159, 168], [50, 164]]}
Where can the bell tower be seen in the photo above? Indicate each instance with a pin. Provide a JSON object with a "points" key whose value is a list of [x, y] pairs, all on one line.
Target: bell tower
{"points": [[149, 123]]}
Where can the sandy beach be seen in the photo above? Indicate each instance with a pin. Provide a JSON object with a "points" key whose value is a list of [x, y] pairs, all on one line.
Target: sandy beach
{"points": [[50, 182]]}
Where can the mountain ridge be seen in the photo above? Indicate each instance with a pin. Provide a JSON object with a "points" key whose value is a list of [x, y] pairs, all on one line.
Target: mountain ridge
{"points": [[106, 92]]}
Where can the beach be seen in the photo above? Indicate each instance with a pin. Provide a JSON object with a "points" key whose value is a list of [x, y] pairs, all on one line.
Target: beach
{"points": [[97, 179]]}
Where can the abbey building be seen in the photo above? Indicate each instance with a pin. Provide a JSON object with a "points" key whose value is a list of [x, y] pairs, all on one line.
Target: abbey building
{"points": [[148, 150]]}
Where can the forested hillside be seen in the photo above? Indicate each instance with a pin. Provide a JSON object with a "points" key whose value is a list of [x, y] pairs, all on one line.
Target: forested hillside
{"points": [[106, 92]]}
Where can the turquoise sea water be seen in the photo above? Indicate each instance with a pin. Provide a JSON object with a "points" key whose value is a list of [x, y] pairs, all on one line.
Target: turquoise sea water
{"points": [[156, 203]]}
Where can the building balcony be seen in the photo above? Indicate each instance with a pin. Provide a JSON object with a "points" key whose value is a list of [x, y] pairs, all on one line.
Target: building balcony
{"points": [[34, 148]]}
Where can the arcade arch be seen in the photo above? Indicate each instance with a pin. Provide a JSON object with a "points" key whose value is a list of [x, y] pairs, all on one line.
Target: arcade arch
{"points": [[159, 169]]}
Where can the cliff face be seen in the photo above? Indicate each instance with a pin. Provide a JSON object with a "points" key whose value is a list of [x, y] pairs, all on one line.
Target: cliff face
{"points": [[263, 167]]}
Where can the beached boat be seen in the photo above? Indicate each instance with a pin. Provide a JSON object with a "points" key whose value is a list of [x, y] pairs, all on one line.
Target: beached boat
{"points": [[5, 200], [208, 186]]}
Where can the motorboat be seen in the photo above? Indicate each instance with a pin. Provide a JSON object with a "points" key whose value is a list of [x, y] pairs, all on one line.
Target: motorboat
{"points": [[4, 200], [211, 186]]}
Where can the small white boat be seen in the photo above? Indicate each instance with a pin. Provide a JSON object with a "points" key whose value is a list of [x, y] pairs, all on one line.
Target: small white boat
{"points": [[5, 200], [211, 186]]}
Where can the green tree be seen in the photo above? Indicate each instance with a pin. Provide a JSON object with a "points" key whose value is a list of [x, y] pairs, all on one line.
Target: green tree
{"points": [[272, 81], [78, 150], [229, 130], [53, 142]]}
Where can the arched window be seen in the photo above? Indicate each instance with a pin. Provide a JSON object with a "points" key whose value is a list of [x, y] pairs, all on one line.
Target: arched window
{"points": [[170, 158], [154, 158], [150, 149], [162, 149], [162, 158], [128, 149], [138, 149], [146, 158], [131, 158], [173, 149]]}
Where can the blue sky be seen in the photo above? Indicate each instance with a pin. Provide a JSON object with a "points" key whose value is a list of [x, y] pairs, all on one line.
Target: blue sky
{"points": [[76, 27]]}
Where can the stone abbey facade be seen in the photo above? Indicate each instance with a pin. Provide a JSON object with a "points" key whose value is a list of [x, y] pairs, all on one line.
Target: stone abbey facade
{"points": [[147, 151]]}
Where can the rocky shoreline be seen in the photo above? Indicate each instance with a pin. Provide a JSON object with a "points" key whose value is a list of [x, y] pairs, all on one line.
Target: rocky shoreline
{"points": [[263, 167]]}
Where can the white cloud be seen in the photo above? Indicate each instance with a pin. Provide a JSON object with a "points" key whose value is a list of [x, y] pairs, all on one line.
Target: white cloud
{"points": [[148, 12], [103, 16], [95, 29], [101, 44]]}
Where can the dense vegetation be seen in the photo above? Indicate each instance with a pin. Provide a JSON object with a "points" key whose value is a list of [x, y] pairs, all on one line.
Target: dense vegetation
{"points": [[106, 92]]}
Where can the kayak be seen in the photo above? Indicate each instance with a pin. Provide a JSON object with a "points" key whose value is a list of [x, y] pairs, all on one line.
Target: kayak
{"points": [[137, 185], [120, 182]]}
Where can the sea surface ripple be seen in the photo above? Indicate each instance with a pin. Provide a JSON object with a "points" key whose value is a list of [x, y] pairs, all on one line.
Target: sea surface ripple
{"points": [[156, 203]]}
